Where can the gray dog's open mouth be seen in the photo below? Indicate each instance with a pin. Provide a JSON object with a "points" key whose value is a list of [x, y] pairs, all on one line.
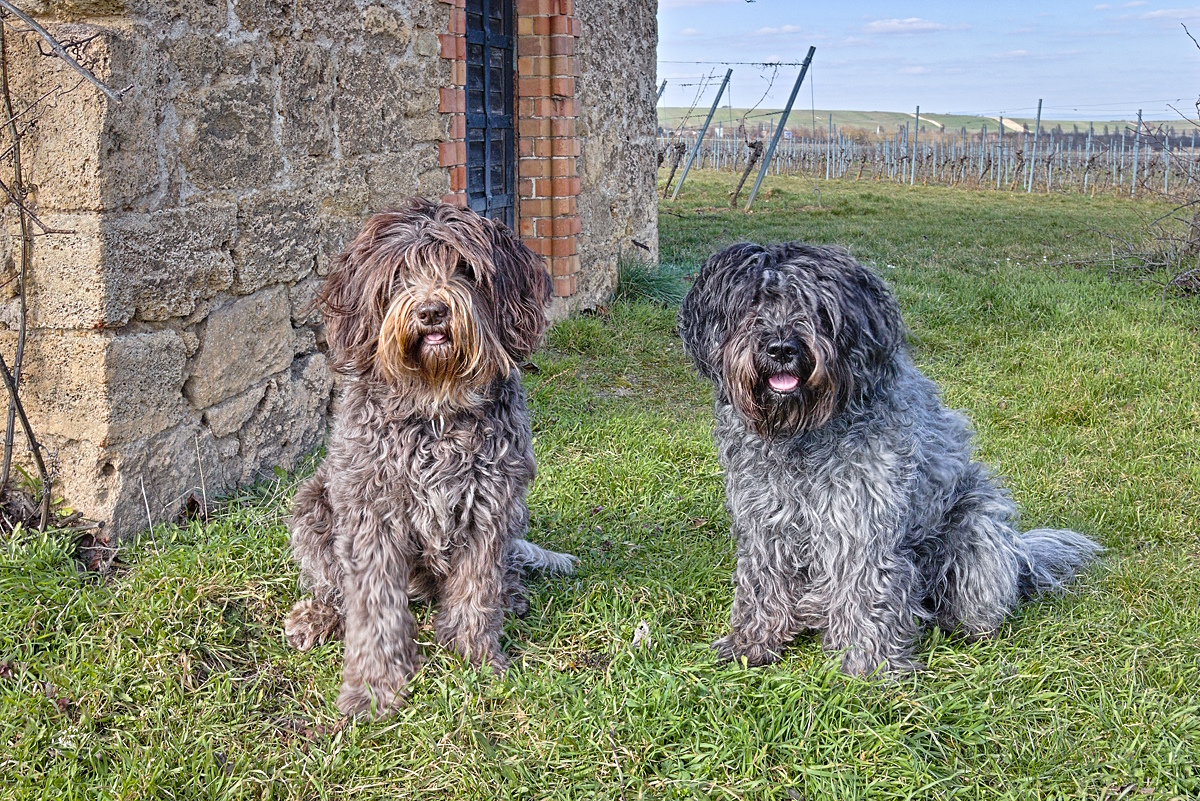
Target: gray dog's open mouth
{"points": [[783, 382]]}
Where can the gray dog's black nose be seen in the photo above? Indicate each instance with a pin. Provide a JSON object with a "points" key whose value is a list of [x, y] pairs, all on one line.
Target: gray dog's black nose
{"points": [[783, 350], [432, 312]]}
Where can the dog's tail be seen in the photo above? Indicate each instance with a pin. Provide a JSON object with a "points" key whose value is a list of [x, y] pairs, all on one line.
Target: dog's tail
{"points": [[1051, 557], [527, 556]]}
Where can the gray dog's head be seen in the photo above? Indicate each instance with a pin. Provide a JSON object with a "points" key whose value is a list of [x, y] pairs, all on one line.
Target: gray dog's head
{"points": [[790, 334]]}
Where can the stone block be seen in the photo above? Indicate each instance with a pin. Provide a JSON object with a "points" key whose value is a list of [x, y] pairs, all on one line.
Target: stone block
{"points": [[153, 477], [135, 162], [61, 153], [164, 264], [86, 153], [226, 139], [207, 15], [194, 60], [66, 278], [393, 178], [73, 9], [228, 416], [144, 383], [388, 24], [241, 343], [276, 242], [63, 383], [333, 20], [306, 99], [336, 233], [290, 420], [272, 17], [372, 98], [426, 44], [303, 297], [101, 387], [337, 185], [433, 183]]}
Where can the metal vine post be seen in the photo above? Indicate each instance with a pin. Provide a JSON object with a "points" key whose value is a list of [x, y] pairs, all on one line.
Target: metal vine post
{"points": [[779, 131]]}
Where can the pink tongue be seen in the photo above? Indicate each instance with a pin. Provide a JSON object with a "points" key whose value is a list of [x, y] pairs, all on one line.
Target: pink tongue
{"points": [[783, 382], [435, 337]]}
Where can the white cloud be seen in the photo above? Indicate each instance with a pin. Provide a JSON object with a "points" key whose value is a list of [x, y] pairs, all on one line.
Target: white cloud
{"points": [[914, 70], [1174, 14], [1025, 55], [694, 3], [910, 25], [690, 32], [1134, 4], [1101, 7], [782, 29]]}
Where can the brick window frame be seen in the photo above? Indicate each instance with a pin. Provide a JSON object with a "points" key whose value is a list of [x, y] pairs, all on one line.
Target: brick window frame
{"points": [[548, 146]]}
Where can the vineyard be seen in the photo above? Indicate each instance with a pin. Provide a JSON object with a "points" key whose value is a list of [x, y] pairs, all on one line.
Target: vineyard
{"points": [[1137, 162]]}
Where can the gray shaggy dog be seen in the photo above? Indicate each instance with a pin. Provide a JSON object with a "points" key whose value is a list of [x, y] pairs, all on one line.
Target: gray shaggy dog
{"points": [[422, 494], [856, 505]]}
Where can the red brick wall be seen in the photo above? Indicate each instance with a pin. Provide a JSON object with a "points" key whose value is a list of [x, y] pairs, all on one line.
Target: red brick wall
{"points": [[452, 154], [548, 147]]}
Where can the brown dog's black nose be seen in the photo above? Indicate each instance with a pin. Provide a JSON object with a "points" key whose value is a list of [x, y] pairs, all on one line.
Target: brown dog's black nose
{"points": [[783, 350], [432, 312]]}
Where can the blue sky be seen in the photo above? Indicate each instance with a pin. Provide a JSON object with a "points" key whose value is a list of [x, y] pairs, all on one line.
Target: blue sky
{"points": [[1087, 60]]}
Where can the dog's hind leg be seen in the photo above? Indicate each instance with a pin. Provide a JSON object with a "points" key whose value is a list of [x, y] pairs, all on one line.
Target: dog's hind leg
{"points": [[313, 621], [991, 565], [978, 558]]}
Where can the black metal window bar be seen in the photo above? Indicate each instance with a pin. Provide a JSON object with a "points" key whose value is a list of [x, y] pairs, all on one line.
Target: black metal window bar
{"points": [[491, 153]]}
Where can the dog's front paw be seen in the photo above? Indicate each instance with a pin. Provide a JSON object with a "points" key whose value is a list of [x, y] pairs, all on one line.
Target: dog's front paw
{"points": [[478, 655], [311, 623], [732, 648], [498, 663], [858, 662], [359, 700]]}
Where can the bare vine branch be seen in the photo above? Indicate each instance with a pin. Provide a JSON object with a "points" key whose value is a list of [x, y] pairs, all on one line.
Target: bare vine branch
{"points": [[12, 380], [61, 51], [25, 210], [34, 448]]}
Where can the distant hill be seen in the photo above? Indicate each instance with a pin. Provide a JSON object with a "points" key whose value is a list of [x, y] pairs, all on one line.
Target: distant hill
{"points": [[884, 122]]}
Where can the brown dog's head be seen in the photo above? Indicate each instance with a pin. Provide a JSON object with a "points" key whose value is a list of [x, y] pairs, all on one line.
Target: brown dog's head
{"points": [[435, 300]]}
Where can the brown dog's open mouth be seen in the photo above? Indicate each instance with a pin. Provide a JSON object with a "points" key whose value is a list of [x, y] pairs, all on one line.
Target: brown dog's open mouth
{"points": [[435, 339]]}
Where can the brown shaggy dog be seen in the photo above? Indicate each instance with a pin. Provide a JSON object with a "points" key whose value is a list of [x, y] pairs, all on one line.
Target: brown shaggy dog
{"points": [[422, 493]]}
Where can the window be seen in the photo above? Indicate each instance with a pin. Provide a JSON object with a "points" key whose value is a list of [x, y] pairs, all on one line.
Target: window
{"points": [[491, 153]]}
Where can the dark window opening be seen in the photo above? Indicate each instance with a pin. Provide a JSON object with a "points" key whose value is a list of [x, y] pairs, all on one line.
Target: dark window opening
{"points": [[491, 144]]}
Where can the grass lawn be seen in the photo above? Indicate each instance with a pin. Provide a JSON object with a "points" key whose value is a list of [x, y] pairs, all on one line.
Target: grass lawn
{"points": [[173, 681]]}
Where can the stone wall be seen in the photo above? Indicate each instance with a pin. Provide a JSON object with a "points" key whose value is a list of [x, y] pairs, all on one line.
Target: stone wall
{"points": [[618, 202], [172, 350]]}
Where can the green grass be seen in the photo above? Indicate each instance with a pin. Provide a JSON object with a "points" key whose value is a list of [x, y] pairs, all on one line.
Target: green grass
{"points": [[639, 280], [172, 680]]}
